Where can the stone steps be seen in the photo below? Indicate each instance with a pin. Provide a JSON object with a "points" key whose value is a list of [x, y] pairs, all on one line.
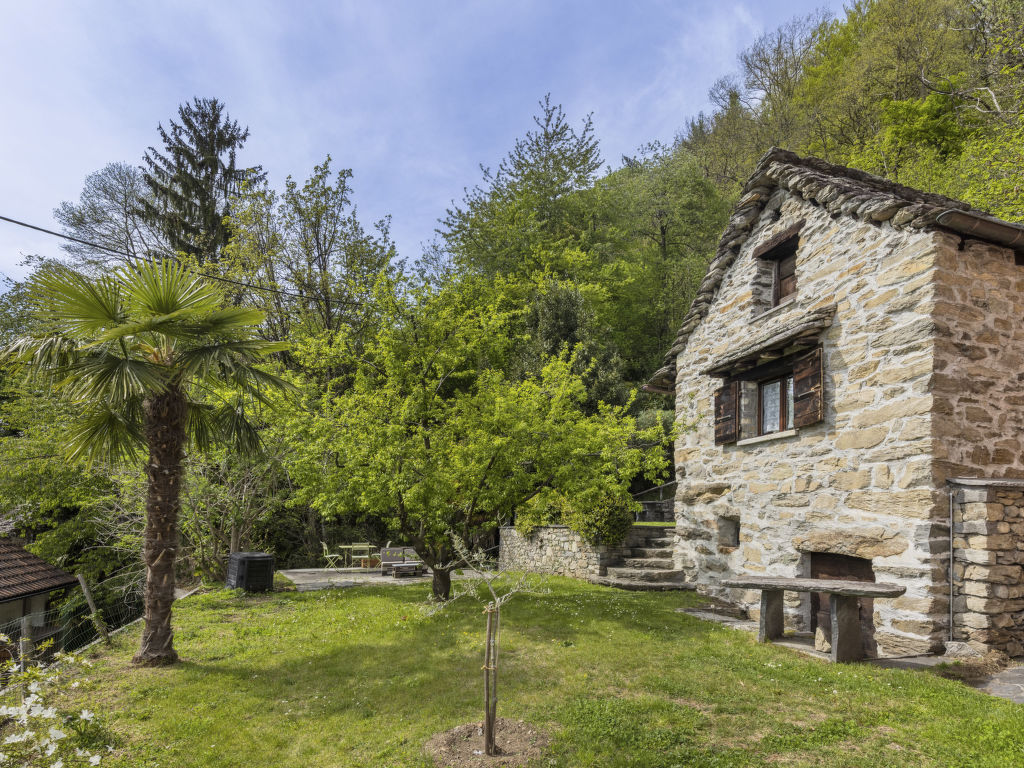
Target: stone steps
{"points": [[644, 574], [645, 562], [661, 541], [658, 563], [655, 553], [636, 585]]}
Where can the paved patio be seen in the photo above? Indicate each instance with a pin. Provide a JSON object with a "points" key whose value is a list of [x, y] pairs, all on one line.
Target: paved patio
{"points": [[312, 579]]}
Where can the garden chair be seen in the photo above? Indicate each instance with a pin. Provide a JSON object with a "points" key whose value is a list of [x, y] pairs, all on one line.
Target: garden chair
{"points": [[362, 551], [335, 560]]}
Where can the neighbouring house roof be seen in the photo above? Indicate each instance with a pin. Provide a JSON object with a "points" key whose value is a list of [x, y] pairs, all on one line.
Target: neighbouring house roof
{"points": [[841, 191], [23, 574]]}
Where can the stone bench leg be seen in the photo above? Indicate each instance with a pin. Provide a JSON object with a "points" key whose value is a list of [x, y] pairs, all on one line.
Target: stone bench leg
{"points": [[847, 643], [771, 624]]}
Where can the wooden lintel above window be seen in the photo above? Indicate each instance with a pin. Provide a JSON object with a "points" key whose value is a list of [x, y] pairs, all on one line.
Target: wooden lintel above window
{"points": [[778, 239]]}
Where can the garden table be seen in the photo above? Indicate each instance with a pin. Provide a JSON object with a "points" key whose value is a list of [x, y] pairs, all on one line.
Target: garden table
{"points": [[847, 643]]}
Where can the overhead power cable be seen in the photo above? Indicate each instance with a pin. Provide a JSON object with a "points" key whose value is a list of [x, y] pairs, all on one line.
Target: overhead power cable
{"points": [[228, 280]]}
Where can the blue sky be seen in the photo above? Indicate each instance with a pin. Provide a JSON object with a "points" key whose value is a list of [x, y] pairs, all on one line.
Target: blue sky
{"points": [[413, 96]]}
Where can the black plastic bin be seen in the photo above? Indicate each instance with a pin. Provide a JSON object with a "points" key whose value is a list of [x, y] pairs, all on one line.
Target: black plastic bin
{"points": [[251, 571]]}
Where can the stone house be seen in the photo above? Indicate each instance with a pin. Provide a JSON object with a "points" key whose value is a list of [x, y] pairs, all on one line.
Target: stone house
{"points": [[851, 373]]}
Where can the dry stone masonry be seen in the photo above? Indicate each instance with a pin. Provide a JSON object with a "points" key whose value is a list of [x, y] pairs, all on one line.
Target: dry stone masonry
{"points": [[643, 561], [988, 563], [554, 549]]}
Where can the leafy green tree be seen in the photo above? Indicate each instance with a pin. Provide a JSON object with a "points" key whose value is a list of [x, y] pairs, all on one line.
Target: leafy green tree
{"points": [[192, 181], [154, 363], [657, 222], [433, 437]]}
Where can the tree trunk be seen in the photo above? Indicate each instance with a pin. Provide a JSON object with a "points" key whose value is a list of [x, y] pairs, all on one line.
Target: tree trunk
{"points": [[165, 420], [442, 583]]}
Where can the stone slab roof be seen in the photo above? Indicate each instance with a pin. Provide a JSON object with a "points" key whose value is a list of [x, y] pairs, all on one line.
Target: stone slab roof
{"points": [[841, 191], [23, 574]]}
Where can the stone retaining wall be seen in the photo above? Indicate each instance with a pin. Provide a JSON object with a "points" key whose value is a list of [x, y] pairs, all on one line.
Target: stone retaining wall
{"points": [[988, 564], [553, 549]]}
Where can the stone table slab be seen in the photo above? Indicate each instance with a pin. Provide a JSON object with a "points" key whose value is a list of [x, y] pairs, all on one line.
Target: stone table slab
{"points": [[832, 586]]}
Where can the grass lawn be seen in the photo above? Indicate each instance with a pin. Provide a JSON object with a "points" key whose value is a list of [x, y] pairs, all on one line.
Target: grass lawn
{"points": [[363, 677]]}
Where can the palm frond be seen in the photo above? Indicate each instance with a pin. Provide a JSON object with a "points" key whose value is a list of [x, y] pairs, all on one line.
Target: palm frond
{"points": [[226, 423], [107, 434], [257, 383], [165, 287], [80, 305], [227, 321], [167, 325], [102, 376], [216, 359], [48, 354], [201, 427]]}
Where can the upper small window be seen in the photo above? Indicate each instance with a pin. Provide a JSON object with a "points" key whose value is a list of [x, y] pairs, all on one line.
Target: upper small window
{"points": [[780, 253], [785, 278]]}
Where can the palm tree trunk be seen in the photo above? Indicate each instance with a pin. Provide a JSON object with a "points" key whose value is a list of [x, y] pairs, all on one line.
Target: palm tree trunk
{"points": [[165, 422]]}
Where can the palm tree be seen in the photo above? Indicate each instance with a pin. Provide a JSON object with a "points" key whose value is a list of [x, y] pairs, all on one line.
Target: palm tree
{"points": [[155, 363]]}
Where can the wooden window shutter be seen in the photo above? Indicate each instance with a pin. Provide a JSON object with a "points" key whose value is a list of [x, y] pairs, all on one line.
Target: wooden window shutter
{"points": [[808, 402], [727, 408]]}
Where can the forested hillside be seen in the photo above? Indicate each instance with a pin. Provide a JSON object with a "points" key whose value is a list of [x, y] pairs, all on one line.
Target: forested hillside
{"points": [[929, 94], [559, 271]]}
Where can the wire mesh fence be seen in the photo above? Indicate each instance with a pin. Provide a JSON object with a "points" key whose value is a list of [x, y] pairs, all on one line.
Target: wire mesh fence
{"points": [[67, 627]]}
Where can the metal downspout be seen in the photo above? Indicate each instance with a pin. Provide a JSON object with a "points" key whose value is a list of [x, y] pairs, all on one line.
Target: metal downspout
{"points": [[952, 491]]}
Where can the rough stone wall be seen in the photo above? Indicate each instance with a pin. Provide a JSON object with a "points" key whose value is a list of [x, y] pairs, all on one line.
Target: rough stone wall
{"points": [[552, 549], [858, 483], [988, 565], [979, 362]]}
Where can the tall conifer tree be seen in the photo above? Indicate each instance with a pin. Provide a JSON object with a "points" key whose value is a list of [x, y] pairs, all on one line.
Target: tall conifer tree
{"points": [[193, 180]]}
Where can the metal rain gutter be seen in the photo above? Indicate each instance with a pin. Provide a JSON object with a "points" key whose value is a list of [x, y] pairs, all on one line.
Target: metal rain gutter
{"points": [[984, 227]]}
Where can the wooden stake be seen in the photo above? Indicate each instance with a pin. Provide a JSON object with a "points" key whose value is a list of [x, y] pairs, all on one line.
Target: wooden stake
{"points": [[488, 682], [94, 615]]}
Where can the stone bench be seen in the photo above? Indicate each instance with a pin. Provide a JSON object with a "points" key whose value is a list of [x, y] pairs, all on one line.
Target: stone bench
{"points": [[847, 643]]}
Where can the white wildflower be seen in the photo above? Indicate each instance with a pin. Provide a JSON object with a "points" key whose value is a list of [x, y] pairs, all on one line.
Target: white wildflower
{"points": [[57, 734], [87, 715], [94, 760]]}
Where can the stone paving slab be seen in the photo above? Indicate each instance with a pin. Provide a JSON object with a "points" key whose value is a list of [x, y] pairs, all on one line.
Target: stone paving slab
{"points": [[1007, 684]]}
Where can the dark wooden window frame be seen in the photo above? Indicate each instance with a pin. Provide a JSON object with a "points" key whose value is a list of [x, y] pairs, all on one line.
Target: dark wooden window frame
{"points": [[779, 278], [777, 250], [805, 367]]}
